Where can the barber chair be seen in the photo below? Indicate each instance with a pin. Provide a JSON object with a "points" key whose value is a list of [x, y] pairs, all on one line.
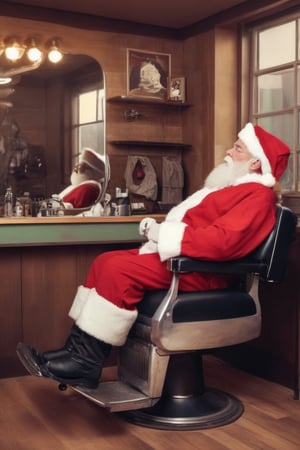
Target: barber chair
{"points": [[160, 379]]}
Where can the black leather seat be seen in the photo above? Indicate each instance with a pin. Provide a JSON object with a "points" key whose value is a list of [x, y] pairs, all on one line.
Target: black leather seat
{"points": [[160, 382]]}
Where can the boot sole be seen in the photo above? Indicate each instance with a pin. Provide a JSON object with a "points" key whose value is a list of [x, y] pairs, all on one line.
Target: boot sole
{"points": [[30, 359]]}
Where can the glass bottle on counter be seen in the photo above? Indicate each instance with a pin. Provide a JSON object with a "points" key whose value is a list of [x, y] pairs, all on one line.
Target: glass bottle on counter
{"points": [[18, 207], [27, 204], [8, 203]]}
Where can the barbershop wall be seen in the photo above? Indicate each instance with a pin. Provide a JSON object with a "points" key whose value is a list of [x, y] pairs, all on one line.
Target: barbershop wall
{"points": [[206, 125]]}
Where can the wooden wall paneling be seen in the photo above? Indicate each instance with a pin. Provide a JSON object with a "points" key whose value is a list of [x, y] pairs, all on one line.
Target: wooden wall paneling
{"points": [[199, 119], [10, 307], [49, 283], [156, 122], [210, 64], [226, 91]]}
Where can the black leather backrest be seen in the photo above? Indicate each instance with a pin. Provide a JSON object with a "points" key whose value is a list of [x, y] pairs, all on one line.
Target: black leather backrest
{"points": [[274, 250], [269, 259]]}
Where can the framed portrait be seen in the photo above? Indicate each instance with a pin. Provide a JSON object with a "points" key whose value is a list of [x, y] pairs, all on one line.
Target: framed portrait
{"points": [[176, 89], [148, 74]]}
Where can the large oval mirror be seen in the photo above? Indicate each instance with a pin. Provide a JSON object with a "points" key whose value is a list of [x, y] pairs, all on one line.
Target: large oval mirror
{"points": [[47, 116]]}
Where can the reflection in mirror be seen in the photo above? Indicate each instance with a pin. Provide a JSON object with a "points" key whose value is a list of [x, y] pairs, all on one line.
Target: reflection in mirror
{"points": [[47, 117]]}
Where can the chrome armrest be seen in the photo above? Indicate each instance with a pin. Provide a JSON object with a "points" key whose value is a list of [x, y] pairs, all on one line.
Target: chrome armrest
{"points": [[169, 335]]}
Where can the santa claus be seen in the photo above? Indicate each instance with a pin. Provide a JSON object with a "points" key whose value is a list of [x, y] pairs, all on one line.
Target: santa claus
{"points": [[86, 181], [226, 219]]}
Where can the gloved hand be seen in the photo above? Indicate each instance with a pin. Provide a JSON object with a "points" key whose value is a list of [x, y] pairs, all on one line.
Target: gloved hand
{"points": [[153, 232], [149, 228], [145, 225]]}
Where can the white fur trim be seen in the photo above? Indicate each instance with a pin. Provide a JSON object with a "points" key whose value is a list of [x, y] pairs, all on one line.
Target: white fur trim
{"points": [[248, 136], [79, 302], [266, 179], [104, 320], [170, 238], [177, 212]]}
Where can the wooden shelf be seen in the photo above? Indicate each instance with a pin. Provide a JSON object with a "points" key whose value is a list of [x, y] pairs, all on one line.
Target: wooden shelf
{"points": [[144, 100], [150, 143]]}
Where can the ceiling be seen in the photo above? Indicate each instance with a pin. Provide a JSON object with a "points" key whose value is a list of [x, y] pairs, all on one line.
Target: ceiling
{"points": [[174, 14]]}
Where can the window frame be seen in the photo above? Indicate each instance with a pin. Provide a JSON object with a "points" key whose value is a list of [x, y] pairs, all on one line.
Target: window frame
{"points": [[76, 125], [250, 51]]}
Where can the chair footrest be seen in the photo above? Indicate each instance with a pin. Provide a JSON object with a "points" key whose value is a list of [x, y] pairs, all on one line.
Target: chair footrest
{"points": [[116, 396]]}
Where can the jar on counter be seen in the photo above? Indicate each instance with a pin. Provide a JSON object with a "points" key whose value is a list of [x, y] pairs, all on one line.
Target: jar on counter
{"points": [[27, 204]]}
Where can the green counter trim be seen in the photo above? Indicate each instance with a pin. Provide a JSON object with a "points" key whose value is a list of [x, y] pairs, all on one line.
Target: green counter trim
{"points": [[20, 234]]}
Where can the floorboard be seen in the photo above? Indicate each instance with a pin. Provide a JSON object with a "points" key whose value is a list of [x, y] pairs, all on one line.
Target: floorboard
{"points": [[35, 415]]}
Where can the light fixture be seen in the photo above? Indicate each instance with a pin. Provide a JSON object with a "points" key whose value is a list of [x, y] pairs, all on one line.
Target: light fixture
{"points": [[14, 51], [34, 54], [18, 56], [54, 54]]}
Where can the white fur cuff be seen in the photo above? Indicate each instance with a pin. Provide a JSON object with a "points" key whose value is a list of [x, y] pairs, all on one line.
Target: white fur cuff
{"points": [[170, 239], [105, 321], [79, 302]]}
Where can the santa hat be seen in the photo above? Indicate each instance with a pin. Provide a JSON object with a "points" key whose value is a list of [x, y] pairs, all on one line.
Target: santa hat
{"points": [[93, 160], [271, 151]]}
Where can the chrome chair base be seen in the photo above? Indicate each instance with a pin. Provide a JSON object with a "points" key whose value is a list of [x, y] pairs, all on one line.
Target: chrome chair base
{"points": [[211, 409]]}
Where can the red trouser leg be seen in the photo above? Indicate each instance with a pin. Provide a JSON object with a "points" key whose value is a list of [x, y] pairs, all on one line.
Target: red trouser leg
{"points": [[122, 277]]}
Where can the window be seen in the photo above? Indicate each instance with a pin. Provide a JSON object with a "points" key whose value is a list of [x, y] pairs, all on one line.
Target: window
{"points": [[87, 122], [275, 102]]}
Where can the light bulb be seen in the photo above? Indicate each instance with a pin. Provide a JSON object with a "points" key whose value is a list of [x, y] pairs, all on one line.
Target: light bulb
{"points": [[14, 51], [54, 55], [34, 54]]}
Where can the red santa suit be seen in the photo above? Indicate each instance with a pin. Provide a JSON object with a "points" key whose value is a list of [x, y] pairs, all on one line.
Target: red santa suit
{"points": [[86, 181], [82, 195], [212, 224]]}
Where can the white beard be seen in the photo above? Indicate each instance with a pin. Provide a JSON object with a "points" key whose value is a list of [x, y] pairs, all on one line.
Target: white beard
{"points": [[77, 178], [225, 174]]}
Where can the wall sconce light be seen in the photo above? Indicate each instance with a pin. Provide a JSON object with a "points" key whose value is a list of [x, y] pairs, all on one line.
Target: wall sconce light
{"points": [[54, 54], [34, 54], [18, 57], [14, 51]]}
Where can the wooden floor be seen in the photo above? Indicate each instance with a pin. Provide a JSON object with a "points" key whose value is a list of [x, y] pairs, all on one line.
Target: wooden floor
{"points": [[35, 415]]}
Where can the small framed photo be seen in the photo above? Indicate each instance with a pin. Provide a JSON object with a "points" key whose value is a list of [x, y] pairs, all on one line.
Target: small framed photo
{"points": [[176, 89], [148, 74]]}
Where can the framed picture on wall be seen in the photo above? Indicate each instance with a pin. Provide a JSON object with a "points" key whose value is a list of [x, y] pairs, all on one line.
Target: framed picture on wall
{"points": [[148, 74], [176, 89]]}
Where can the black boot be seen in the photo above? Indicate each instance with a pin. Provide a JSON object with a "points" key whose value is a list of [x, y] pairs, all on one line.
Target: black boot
{"points": [[66, 349], [80, 367]]}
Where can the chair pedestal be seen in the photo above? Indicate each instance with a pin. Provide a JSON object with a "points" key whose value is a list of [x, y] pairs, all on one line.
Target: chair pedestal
{"points": [[186, 404]]}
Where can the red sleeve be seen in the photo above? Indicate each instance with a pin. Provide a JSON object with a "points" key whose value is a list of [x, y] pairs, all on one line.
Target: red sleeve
{"points": [[227, 224], [83, 195], [234, 234]]}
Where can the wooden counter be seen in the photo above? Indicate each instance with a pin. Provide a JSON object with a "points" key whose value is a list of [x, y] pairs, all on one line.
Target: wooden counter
{"points": [[21, 231], [42, 262]]}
